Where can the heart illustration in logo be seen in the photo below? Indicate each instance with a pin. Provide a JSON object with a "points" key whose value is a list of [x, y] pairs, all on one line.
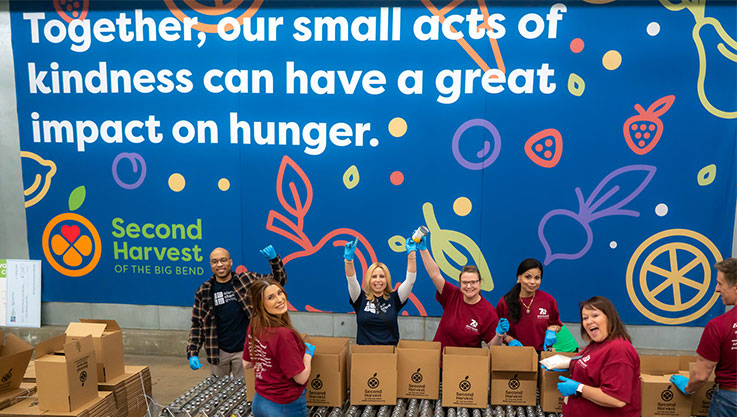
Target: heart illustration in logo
{"points": [[70, 233]]}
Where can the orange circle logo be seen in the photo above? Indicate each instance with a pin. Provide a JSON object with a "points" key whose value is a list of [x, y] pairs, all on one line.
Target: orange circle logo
{"points": [[71, 244], [207, 12]]}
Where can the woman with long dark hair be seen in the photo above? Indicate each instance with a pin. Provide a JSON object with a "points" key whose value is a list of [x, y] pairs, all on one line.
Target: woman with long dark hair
{"points": [[281, 360], [532, 313], [605, 377]]}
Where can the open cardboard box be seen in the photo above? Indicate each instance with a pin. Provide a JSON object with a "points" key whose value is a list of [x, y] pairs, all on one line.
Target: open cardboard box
{"points": [[513, 375], [15, 354], [701, 399], [65, 381], [465, 377], [550, 399], [418, 369], [327, 385], [660, 397], [107, 338], [373, 375]]}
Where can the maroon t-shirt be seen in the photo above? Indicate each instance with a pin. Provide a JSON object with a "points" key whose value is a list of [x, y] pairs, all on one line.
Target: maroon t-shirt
{"points": [[614, 367], [719, 344], [464, 325], [531, 327], [279, 358]]}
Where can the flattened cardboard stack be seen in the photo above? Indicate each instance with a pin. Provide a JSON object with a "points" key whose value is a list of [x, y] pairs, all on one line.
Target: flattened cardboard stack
{"points": [[659, 396], [26, 389], [101, 406], [550, 399], [513, 375], [130, 391], [328, 380]]}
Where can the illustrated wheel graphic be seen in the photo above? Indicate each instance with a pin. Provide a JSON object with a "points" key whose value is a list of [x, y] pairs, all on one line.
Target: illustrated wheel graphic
{"points": [[653, 280], [316, 384], [666, 395], [513, 384], [464, 385], [373, 383], [416, 377]]}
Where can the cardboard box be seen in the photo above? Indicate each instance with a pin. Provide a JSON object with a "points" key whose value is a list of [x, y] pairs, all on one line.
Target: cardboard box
{"points": [[684, 360], [108, 342], [100, 406], [65, 382], [327, 385], [418, 369], [250, 383], [15, 354], [17, 395], [465, 377], [550, 399], [373, 375], [659, 396], [701, 399], [513, 375]]}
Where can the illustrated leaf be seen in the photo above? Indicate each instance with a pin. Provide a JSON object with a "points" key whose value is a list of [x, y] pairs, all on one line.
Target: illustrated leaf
{"points": [[593, 202], [76, 198], [288, 194]]}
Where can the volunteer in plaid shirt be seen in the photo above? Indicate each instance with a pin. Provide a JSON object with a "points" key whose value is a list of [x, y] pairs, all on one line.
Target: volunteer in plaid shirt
{"points": [[222, 310]]}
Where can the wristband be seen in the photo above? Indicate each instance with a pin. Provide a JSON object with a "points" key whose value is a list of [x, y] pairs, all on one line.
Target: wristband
{"points": [[579, 390]]}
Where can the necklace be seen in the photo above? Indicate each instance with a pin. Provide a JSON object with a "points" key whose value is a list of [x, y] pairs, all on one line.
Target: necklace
{"points": [[527, 306]]}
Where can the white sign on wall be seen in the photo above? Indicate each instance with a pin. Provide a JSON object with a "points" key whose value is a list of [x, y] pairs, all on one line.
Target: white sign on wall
{"points": [[20, 293]]}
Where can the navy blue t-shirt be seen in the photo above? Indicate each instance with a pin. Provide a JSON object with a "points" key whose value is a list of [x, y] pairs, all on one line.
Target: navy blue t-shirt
{"points": [[232, 321], [377, 320]]}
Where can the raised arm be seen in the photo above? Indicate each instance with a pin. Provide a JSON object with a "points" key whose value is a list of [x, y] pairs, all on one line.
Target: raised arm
{"points": [[430, 266], [405, 288], [354, 289], [278, 273]]}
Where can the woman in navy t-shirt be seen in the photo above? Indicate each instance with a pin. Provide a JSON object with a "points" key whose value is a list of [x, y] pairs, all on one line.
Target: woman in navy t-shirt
{"points": [[376, 305]]}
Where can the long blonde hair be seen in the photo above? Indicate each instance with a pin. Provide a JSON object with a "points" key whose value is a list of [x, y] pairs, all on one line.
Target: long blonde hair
{"points": [[367, 281]]}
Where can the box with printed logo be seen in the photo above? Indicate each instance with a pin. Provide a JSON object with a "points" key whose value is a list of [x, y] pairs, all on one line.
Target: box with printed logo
{"points": [[373, 375], [418, 369], [513, 375], [701, 399], [107, 338], [68, 380], [550, 399], [465, 377], [660, 397], [327, 385], [15, 353]]}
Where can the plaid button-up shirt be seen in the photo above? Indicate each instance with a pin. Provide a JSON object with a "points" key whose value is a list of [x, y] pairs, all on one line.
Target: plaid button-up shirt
{"points": [[204, 325]]}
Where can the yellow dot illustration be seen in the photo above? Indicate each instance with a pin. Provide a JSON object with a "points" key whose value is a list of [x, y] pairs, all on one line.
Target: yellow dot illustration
{"points": [[224, 184], [612, 60], [462, 206], [397, 127], [176, 182], [351, 177]]}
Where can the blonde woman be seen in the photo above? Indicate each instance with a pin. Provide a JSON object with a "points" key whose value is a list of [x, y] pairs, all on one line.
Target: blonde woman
{"points": [[376, 305]]}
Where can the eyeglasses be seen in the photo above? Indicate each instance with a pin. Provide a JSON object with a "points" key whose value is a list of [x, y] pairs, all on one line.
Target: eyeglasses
{"points": [[469, 283], [219, 261]]}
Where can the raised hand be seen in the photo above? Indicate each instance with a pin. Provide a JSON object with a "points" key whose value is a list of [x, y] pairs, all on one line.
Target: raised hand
{"points": [[269, 252], [350, 250]]}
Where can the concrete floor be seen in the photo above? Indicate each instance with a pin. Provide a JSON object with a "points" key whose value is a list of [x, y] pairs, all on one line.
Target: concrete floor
{"points": [[170, 376]]}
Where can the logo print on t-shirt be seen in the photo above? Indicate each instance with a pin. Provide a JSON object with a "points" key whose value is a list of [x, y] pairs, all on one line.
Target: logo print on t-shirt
{"points": [[666, 395], [543, 311], [316, 383], [465, 384], [417, 376], [373, 382], [473, 325], [513, 383]]}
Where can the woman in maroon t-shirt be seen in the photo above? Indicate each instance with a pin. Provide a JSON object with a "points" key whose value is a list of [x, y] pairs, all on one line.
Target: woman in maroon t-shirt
{"points": [[281, 361], [532, 314], [468, 319], [605, 377]]}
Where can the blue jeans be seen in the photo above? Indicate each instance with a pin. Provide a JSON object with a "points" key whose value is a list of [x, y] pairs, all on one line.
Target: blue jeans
{"points": [[262, 407], [723, 403]]}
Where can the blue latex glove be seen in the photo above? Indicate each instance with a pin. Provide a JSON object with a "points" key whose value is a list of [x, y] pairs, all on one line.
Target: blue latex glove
{"points": [[680, 382], [350, 250], [550, 339], [514, 342], [423, 243], [567, 386], [410, 245], [269, 252], [310, 349], [502, 327], [555, 370], [194, 363]]}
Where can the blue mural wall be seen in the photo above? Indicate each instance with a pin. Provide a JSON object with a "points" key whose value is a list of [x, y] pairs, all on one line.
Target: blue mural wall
{"points": [[598, 138]]}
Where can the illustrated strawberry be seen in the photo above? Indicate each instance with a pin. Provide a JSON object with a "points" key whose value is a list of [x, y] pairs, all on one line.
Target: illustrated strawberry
{"points": [[545, 148], [72, 9], [646, 127]]}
